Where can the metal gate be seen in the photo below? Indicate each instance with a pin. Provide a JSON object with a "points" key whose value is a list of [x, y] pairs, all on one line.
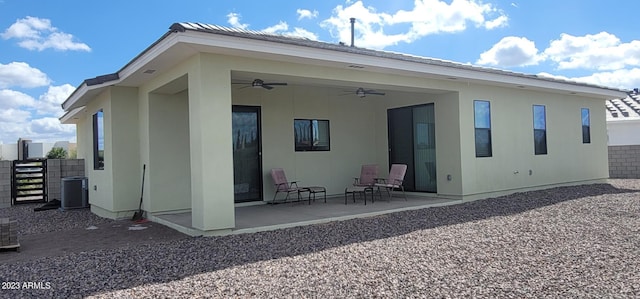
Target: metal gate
{"points": [[29, 181]]}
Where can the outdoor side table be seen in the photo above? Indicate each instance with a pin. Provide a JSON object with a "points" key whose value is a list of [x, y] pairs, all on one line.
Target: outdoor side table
{"points": [[360, 190], [312, 192]]}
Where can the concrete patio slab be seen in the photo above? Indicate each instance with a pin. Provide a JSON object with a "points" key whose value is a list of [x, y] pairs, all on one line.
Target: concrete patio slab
{"points": [[263, 217]]}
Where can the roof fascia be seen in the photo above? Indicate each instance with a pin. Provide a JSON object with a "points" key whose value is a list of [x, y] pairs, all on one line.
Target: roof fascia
{"points": [[157, 48], [103, 81], [65, 119], [350, 56], [445, 70]]}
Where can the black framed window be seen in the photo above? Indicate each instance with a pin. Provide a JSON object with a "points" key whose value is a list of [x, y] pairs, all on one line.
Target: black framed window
{"points": [[482, 120], [98, 140], [311, 135], [540, 129], [586, 125]]}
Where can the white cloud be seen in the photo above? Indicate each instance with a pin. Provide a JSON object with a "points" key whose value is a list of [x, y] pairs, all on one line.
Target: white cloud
{"points": [[602, 51], [552, 76], [15, 99], [48, 126], [38, 34], [498, 22], [301, 32], [15, 123], [234, 20], [20, 74], [283, 28], [280, 27], [306, 14], [49, 103], [511, 51], [624, 78], [426, 17], [17, 110], [616, 62], [13, 115], [28, 28]]}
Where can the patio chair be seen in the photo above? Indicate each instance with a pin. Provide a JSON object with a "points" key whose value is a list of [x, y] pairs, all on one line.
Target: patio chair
{"points": [[283, 185], [362, 184], [394, 180], [368, 176]]}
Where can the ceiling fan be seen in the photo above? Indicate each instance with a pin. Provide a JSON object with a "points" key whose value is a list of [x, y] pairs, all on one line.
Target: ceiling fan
{"points": [[361, 92], [257, 83]]}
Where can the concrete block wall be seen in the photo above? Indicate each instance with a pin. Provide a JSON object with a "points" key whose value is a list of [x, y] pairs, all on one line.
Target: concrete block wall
{"points": [[53, 179], [624, 161], [5, 184], [57, 169], [71, 167]]}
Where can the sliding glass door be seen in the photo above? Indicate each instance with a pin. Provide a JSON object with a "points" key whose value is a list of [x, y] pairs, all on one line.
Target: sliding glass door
{"points": [[412, 141]]}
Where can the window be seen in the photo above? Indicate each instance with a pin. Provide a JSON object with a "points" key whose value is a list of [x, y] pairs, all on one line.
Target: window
{"points": [[98, 140], [586, 126], [539, 130], [311, 135], [482, 115]]}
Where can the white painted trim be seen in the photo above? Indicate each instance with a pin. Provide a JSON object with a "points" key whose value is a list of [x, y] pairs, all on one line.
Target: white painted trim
{"points": [[71, 114]]}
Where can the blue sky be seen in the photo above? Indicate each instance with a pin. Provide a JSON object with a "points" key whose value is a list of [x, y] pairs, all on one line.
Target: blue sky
{"points": [[47, 48]]}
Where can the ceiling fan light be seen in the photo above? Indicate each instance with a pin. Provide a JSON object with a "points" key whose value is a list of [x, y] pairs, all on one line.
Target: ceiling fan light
{"points": [[257, 83]]}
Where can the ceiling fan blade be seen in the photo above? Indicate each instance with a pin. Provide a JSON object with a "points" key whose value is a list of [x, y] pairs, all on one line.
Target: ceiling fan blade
{"points": [[267, 87], [275, 83], [373, 92]]}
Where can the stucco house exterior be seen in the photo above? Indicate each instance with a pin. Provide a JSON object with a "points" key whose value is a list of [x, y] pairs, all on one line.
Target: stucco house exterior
{"points": [[623, 126], [206, 109]]}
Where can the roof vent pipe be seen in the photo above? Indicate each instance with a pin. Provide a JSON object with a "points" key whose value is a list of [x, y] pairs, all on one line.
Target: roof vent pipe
{"points": [[353, 22]]}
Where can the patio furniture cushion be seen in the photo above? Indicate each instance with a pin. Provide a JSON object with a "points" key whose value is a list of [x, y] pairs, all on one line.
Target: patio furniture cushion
{"points": [[394, 180], [368, 175], [282, 185]]}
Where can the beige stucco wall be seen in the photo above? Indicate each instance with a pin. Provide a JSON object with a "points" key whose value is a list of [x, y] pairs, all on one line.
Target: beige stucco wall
{"points": [[169, 161], [358, 125], [351, 122], [211, 153], [100, 181], [203, 174], [568, 159], [179, 125], [125, 147], [112, 190]]}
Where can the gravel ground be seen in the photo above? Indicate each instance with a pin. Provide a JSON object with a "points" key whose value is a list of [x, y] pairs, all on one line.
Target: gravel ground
{"points": [[564, 242], [50, 220]]}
